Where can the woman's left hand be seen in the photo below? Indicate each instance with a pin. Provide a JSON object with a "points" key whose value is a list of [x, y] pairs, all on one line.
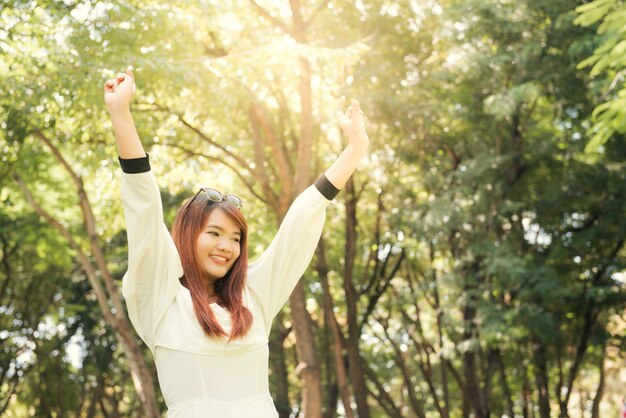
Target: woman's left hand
{"points": [[352, 124]]}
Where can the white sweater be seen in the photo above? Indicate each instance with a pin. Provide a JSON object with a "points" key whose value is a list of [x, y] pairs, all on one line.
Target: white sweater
{"points": [[201, 376]]}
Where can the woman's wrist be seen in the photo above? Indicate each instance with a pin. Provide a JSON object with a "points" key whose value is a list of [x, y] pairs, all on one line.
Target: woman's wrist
{"points": [[359, 139], [118, 111], [358, 147], [121, 117]]}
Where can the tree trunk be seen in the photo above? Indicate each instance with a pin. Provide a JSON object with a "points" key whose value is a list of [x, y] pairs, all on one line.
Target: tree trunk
{"points": [[355, 367], [415, 404], [279, 368], [506, 390], [302, 322], [307, 353], [590, 319], [337, 338], [595, 409], [442, 365], [542, 383], [305, 341], [142, 378], [527, 410], [488, 381], [107, 296], [471, 390]]}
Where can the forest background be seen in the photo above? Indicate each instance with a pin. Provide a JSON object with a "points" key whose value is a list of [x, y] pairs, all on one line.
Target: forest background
{"points": [[474, 265]]}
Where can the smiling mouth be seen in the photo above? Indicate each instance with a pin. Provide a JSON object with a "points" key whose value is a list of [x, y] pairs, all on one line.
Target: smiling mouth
{"points": [[218, 258]]}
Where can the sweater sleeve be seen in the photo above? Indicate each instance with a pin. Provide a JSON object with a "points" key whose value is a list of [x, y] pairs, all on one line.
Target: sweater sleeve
{"points": [[273, 276], [154, 267]]}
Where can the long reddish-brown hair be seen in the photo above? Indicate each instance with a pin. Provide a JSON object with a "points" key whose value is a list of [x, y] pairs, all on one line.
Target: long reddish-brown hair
{"points": [[189, 223]]}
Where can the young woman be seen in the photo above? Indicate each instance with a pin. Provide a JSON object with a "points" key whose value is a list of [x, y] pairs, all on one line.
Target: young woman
{"points": [[203, 311]]}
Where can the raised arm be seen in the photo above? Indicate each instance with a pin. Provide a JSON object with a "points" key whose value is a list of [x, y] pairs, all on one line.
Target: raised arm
{"points": [[118, 93], [151, 282], [352, 125], [276, 272]]}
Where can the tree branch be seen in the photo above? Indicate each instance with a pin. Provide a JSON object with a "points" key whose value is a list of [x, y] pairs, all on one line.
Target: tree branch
{"points": [[316, 12], [90, 227], [238, 173], [258, 117], [416, 405], [242, 163], [382, 286], [275, 21], [383, 398], [82, 257]]}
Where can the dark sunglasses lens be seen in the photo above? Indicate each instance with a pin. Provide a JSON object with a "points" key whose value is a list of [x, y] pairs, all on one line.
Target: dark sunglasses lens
{"points": [[213, 195], [235, 200]]}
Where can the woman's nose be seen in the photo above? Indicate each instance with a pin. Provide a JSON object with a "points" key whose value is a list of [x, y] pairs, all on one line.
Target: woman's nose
{"points": [[223, 245]]}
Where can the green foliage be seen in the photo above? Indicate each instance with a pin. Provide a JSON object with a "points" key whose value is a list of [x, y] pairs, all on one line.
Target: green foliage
{"points": [[609, 117], [478, 114]]}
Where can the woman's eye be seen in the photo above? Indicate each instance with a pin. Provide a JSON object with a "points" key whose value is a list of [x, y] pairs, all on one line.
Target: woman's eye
{"points": [[213, 233]]}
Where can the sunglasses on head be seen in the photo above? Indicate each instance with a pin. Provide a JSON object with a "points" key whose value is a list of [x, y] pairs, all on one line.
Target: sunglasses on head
{"points": [[216, 196]]}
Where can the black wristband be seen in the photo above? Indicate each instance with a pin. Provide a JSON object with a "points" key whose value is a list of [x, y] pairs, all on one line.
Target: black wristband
{"points": [[135, 165], [326, 188]]}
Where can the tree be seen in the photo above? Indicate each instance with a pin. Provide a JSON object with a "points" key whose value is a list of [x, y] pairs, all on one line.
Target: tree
{"points": [[607, 59], [471, 267]]}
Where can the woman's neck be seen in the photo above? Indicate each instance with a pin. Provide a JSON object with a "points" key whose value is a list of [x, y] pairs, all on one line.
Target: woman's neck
{"points": [[209, 288]]}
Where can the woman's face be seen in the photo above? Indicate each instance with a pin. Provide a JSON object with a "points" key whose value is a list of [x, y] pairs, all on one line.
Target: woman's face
{"points": [[218, 245]]}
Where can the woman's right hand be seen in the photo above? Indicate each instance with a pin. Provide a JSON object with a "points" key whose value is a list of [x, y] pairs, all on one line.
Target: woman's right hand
{"points": [[119, 91]]}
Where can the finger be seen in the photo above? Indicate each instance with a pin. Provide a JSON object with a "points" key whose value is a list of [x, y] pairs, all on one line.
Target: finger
{"points": [[129, 71], [342, 118], [109, 85], [340, 103], [121, 76], [338, 112], [355, 104], [339, 109]]}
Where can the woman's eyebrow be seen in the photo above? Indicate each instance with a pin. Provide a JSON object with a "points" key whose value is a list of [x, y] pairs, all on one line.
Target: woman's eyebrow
{"points": [[219, 228]]}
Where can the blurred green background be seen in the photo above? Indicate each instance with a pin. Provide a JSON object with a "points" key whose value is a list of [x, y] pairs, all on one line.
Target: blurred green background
{"points": [[473, 267]]}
